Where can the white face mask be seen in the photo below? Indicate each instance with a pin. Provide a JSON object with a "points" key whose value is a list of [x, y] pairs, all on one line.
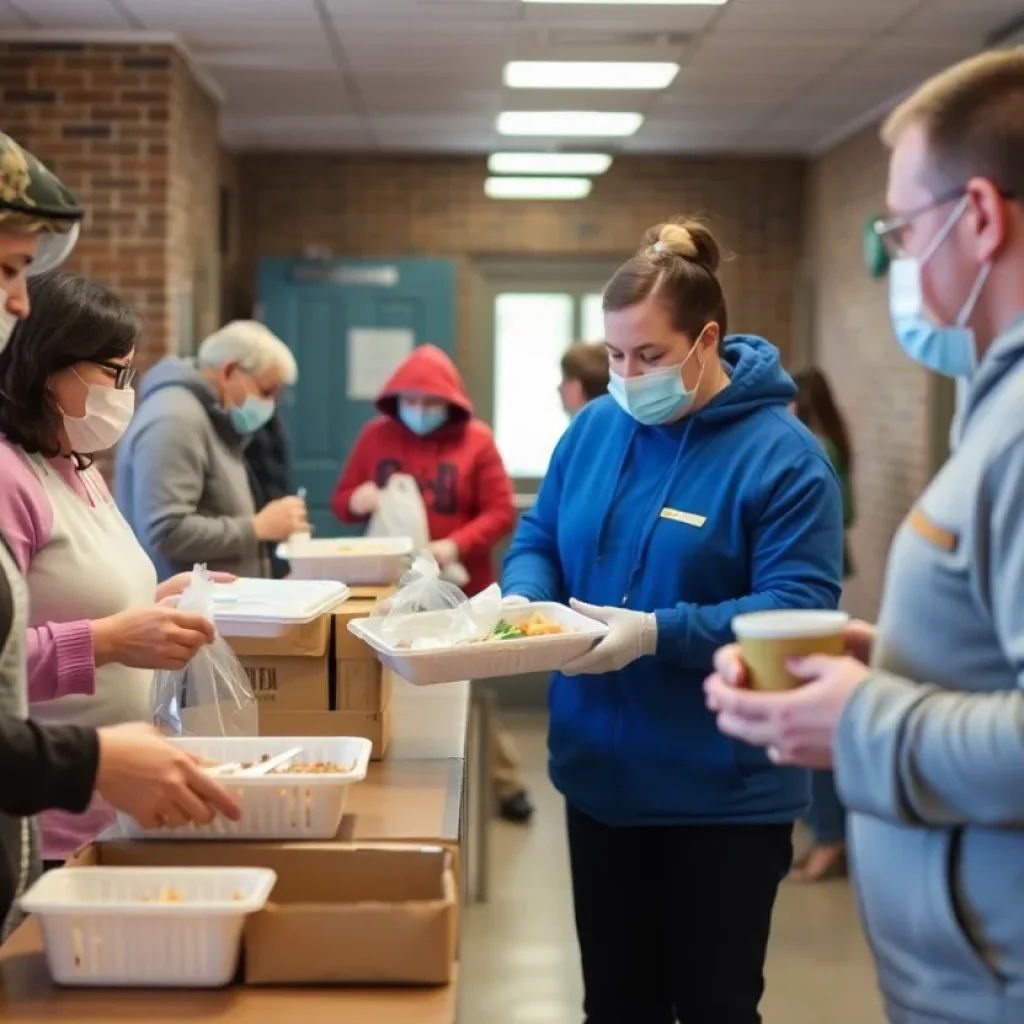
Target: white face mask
{"points": [[108, 411], [7, 321]]}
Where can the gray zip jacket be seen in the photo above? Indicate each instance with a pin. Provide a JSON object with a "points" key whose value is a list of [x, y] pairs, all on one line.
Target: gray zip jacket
{"points": [[181, 478], [930, 751]]}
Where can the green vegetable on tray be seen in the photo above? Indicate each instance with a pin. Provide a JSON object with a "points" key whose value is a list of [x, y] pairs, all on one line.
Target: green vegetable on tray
{"points": [[506, 631]]}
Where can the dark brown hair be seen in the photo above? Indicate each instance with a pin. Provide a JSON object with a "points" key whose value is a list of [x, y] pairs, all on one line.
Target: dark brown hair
{"points": [[72, 321], [972, 115], [587, 363], [679, 267], [817, 410]]}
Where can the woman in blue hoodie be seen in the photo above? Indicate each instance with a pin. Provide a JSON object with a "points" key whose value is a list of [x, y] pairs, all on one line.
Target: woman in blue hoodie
{"points": [[687, 496]]}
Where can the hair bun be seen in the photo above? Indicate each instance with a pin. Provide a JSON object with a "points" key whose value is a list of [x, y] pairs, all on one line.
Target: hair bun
{"points": [[688, 239]]}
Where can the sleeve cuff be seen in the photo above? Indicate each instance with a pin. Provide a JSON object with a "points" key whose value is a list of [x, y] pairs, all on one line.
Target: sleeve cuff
{"points": [[868, 740], [670, 624], [76, 657]]}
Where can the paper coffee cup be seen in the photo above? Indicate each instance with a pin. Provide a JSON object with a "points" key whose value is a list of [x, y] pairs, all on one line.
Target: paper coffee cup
{"points": [[770, 639]]}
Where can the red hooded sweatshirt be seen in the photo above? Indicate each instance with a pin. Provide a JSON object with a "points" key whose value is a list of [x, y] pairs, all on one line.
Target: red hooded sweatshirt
{"points": [[465, 488]]}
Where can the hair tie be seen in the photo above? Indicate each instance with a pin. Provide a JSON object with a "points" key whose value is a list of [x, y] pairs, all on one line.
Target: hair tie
{"points": [[659, 246]]}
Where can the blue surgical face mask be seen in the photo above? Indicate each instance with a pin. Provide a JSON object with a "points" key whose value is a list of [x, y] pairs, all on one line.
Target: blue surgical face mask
{"points": [[253, 413], [422, 419], [657, 397], [950, 350]]}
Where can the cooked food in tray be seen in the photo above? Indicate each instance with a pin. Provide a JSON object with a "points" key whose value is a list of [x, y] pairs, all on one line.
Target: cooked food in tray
{"points": [[538, 624], [169, 895], [313, 768]]}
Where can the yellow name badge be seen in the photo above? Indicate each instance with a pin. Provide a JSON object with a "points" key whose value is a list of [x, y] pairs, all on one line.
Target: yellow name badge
{"points": [[923, 526], [688, 518]]}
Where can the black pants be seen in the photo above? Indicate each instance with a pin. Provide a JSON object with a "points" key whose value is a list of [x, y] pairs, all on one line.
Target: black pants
{"points": [[673, 922]]}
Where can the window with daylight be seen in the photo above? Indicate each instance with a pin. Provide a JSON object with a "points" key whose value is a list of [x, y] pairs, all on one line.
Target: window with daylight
{"points": [[532, 330]]}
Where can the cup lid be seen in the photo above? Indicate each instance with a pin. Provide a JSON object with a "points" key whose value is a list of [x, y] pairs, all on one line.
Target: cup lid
{"points": [[785, 623]]}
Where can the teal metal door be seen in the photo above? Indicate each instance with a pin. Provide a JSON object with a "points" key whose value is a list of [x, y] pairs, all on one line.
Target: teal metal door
{"points": [[346, 321]]}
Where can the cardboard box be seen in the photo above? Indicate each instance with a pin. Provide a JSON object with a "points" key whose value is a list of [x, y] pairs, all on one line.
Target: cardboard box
{"points": [[362, 685], [375, 727], [339, 914], [375, 593], [292, 672], [346, 646], [359, 916]]}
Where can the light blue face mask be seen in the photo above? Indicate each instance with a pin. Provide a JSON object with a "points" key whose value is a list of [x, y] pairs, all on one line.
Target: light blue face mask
{"points": [[253, 413], [951, 350], [422, 419], [657, 397]]}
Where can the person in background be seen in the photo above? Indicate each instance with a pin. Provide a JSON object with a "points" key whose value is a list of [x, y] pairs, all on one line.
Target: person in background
{"points": [[584, 376], [427, 429], [182, 480], [49, 766], [96, 628], [268, 458], [826, 820], [686, 497], [923, 719]]}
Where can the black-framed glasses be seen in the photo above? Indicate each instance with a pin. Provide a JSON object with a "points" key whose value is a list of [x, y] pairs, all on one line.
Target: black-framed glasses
{"points": [[124, 376], [890, 230]]}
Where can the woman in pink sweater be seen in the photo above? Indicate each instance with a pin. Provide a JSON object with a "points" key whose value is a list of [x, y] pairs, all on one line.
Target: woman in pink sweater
{"points": [[96, 628]]}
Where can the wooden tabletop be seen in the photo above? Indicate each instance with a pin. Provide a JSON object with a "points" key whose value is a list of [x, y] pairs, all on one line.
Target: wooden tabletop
{"points": [[413, 795]]}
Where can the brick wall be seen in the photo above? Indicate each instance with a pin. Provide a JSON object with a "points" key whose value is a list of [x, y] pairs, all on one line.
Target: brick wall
{"points": [[369, 206], [132, 135], [887, 399]]}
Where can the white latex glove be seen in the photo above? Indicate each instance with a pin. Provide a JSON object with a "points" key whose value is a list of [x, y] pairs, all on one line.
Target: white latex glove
{"points": [[365, 499], [631, 635]]}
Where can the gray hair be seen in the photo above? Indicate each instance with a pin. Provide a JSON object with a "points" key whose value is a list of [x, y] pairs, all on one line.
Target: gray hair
{"points": [[252, 346]]}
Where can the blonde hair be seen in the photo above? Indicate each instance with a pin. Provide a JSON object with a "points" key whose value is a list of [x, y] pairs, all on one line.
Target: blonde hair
{"points": [[678, 265], [252, 346], [972, 115]]}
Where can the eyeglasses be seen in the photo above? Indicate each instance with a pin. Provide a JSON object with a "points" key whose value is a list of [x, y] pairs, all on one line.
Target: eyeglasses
{"points": [[124, 376], [891, 230]]}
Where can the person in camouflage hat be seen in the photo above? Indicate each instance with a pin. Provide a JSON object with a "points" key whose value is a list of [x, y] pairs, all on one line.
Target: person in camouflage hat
{"points": [[39, 222], [61, 766]]}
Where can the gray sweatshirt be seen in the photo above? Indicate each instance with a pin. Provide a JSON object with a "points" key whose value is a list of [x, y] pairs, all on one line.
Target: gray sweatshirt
{"points": [[181, 478], [930, 751]]}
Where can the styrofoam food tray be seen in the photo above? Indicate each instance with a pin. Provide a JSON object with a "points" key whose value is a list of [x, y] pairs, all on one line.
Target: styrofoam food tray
{"points": [[379, 561], [485, 660], [102, 926], [273, 806], [252, 607]]}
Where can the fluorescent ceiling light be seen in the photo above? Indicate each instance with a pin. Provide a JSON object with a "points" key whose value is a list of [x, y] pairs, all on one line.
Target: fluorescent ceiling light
{"points": [[585, 74], [591, 123], [548, 163], [637, 3], [537, 188]]}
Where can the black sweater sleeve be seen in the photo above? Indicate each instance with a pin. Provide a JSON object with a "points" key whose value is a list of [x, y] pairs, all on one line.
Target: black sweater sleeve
{"points": [[46, 767]]}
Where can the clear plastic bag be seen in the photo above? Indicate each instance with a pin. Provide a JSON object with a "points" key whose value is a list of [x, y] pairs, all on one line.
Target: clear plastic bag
{"points": [[211, 696], [427, 611], [401, 513]]}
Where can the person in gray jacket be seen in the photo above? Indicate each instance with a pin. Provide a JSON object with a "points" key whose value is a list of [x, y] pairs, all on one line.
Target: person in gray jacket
{"points": [[928, 742], [181, 480]]}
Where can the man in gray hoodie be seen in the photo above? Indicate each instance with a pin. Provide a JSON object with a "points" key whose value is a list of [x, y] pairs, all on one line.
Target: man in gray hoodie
{"points": [[181, 480], [928, 743]]}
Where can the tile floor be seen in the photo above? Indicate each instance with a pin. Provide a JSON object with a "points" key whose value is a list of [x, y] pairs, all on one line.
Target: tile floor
{"points": [[519, 959]]}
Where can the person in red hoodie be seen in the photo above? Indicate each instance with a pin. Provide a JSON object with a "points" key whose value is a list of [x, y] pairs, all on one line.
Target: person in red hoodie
{"points": [[427, 429]]}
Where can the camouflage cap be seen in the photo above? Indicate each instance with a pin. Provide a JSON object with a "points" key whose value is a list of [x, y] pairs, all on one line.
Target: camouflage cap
{"points": [[33, 199]]}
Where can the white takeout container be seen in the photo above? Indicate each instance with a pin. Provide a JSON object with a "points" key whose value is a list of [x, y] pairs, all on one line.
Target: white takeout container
{"points": [[256, 607], [370, 561], [99, 928], [485, 659], [273, 806]]}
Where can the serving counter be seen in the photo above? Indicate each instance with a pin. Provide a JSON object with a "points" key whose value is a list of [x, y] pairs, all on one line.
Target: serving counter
{"points": [[423, 792]]}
